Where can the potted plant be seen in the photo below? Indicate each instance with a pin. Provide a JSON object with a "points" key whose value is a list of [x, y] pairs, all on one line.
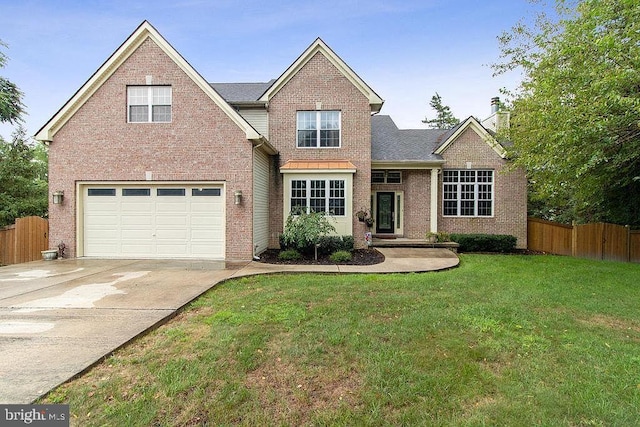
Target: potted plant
{"points": [[49, 254], [432, 237], [362, 214], [369, 222]]}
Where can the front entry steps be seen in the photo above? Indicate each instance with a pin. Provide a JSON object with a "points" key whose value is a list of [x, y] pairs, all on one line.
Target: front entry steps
{"points": [[401, 242]]}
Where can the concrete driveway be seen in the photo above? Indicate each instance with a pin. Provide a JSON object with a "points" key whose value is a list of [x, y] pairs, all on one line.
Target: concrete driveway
{"points": [[59, 317]]}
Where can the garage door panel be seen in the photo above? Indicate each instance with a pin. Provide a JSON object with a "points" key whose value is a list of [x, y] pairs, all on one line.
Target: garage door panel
{"points": [[171, 221], [174, 207], [172, 224], [136, 221], [169, 251], [137, 249]]}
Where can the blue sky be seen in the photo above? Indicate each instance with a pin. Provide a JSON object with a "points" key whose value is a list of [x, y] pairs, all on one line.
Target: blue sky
{"points": [[405, 50]]}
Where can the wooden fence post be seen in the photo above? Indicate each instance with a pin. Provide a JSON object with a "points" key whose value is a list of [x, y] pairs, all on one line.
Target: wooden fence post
{"points": [[628, 242], [574, 239]]}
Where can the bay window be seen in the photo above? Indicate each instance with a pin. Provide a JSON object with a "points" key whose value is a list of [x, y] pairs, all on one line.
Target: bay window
{"points": [[318, 195]]}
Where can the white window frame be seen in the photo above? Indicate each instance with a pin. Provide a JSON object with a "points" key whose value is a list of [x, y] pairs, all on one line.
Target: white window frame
{"points": [[317, 124], [473, 189], [327, 192], [137, 97]]}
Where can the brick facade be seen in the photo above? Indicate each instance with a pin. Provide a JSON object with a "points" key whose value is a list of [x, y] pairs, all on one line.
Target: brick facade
{"points": [[510, 190], [319, 83], [200, 144]]}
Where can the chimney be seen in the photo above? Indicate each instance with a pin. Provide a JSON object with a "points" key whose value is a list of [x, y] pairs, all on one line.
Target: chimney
{"points": [[495, 104]]}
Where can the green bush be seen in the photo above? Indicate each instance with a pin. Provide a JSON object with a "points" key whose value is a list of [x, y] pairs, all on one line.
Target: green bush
{"points": [[484, 242], [303, 231], [340, 256], [289, 255], [331, 244]]}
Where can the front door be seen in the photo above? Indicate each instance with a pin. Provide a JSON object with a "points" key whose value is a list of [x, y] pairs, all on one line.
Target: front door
{"points": [[385, 213]]}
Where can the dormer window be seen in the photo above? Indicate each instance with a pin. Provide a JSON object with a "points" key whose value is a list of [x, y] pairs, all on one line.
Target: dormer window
{"points": [[149, 104], [318, 129]]}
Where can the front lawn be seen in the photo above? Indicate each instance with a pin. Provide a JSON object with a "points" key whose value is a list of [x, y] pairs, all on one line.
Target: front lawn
{"points": [[501, 340]]}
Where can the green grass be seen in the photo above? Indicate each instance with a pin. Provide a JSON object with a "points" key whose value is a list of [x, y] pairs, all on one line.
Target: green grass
{"points": [[501, 340]]}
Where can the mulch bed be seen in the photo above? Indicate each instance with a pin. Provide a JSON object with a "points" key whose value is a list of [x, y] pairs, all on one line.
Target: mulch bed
{"points": [[360, 257]]}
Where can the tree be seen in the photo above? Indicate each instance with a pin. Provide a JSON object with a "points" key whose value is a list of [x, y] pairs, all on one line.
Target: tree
{"points": [[303, 230], [11, 107], [575, 118], [444, 117], [23, 178]]}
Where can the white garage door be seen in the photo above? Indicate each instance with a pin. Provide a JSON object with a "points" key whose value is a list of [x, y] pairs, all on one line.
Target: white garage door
{"points": [[154, 221]]}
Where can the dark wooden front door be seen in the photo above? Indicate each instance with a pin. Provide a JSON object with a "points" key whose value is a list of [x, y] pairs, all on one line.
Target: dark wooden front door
{"points": [[385, 213]]}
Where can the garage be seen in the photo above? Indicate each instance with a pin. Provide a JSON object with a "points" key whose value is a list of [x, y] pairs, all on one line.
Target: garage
{"points": [[140, 220]]}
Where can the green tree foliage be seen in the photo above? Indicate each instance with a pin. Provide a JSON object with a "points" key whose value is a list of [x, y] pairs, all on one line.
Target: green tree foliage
{"points": [[444, 117], [575, 119], [11, 107], [23, 178], [303, 231]]}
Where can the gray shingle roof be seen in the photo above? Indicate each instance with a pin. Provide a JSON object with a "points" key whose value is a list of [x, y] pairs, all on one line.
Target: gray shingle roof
{"points": [[241, 92], [388, 143]]}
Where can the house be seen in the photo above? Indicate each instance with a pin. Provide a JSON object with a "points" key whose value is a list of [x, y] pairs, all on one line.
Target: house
{"points": [[152, 160]]}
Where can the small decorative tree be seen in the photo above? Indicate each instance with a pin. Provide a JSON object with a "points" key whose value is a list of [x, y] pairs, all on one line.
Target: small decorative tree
{"points": [[304, 230]]}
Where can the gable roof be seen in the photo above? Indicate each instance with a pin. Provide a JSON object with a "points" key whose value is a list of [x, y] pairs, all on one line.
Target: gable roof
{"points": [[318, 46], [390, 144], [140, 35], [471, 123]]}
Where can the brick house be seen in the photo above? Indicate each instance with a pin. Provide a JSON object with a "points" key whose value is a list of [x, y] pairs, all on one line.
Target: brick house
{"points": [[155, 162]]}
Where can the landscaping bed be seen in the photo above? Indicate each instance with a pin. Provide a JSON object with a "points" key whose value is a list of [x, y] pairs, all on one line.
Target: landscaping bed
{"points": [[360, 257]]}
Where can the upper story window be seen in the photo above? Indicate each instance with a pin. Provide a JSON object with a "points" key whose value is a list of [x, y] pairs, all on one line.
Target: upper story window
{"points": [[318, 129], [386, 177], [467, 192], [149, 104]]}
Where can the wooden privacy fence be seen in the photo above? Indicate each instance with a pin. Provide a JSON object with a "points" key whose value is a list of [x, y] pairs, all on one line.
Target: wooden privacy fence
{"points": [[594, 241], [23, 241]]}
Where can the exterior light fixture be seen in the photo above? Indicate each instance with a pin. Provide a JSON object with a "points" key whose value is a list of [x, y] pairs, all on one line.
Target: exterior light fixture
{"points": [[237, 197], [57, 197]]}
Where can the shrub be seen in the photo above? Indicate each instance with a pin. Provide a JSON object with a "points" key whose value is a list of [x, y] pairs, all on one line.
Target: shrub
{"points": [[289, 255], [331, 244], [438, 237], [485, 242], [340, 256], [303, 231]]}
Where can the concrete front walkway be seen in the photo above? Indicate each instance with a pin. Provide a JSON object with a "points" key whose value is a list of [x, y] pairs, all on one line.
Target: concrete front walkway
{"points": [[57, 318]]}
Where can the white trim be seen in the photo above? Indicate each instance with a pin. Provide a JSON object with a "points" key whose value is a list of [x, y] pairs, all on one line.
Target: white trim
{"points": [[472, 123], [342, 223], [398, 210], [318, 46], [140, 35], [433, 220], [317, 171]]}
